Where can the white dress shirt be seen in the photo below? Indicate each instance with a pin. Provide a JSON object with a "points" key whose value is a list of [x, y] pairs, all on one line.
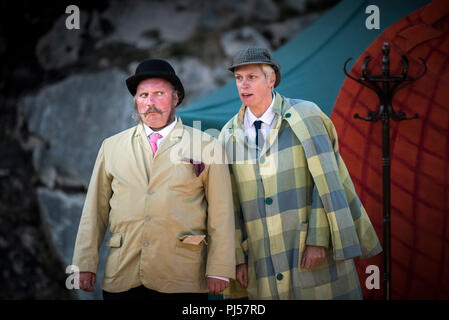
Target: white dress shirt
{"points": [[267, 122], [163, 132]]}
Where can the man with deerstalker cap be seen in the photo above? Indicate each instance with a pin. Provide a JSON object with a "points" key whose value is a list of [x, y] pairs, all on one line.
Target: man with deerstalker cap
{"points": [[299, 222], [168, 208]]}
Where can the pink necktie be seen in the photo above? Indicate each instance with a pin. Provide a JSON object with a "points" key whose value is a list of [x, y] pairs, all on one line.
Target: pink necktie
{"points": [[153, 141]]}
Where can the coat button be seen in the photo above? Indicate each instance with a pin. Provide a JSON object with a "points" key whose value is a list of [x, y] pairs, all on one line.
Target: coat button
{"points": [[288, 115], [269, 201], [279, 276], [150, 192], [145, 244], [262, 159], [147, 218]]}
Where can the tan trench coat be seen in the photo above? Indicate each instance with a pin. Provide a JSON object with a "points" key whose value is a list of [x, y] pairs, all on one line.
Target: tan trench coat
{"points": [[151, 204]]}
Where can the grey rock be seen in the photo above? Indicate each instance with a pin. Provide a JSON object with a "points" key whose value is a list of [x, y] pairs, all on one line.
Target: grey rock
{"points": [[146, 24], [3, 243], [61, 214], [281, 32], [48, 174], [60, 46], [298, 5], [94, 28], [221, 74], [306, 6], [28, 238], [198, 79], [74, 116], [132, 67], [4, 172], [237, 39], [223, 14], [103, 63], [265, 10]]}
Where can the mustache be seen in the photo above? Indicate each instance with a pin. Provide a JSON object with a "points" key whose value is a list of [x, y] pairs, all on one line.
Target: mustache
{"points": [[151, 109]]}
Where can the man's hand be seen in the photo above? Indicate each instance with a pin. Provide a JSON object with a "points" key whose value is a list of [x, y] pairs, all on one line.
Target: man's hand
{"points": [[313, 256], [241, 274], [216, 285], [87, 281]]}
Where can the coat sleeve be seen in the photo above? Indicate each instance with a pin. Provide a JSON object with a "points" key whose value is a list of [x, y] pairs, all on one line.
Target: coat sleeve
{"points": [[241, 241], [319, 139], [94, 218], [318, 233], [220, 221], [368, 240]]}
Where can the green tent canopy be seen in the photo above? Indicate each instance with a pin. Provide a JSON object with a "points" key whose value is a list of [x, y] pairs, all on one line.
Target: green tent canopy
{"points": [[312, 62]]}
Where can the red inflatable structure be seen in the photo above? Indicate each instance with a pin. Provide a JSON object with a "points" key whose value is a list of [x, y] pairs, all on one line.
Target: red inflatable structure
{"points": [[419, 154]]}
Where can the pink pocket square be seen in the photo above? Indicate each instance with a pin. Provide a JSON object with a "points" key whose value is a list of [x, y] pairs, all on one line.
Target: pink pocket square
{"points": [[198, 166]]}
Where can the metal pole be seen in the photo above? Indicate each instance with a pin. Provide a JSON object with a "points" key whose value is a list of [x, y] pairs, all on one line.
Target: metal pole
{"points": [[386, 100], [386, 204]]}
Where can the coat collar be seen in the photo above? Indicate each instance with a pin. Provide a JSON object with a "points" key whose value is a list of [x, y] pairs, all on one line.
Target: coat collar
{"points": [[174, 137], [237, 128], [238, 121]]}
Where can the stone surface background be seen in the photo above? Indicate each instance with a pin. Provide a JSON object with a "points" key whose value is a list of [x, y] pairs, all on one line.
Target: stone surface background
{"points": [[63, 92]]}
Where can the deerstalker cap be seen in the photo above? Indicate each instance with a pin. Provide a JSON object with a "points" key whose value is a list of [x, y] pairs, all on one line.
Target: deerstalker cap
{"points": [[256, 56]]}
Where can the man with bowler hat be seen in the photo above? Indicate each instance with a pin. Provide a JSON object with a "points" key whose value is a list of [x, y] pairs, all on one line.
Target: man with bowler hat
{"points": [[166, 200], [299, 221]]}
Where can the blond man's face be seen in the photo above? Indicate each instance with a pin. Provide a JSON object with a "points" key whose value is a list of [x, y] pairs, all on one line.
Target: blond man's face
{"points": [[253, 86]]}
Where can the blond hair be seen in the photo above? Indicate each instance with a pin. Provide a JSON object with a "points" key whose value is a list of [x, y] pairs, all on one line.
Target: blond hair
{"points": [[267, 70]]}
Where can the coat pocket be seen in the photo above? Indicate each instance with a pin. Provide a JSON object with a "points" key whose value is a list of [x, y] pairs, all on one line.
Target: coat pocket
{"points": [[190, 261], [189, 251], [113, 259], [321, 274], [302, 240]]}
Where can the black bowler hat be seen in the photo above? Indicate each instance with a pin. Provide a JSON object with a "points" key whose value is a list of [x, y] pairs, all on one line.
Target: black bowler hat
{"points": [[155, 68]]}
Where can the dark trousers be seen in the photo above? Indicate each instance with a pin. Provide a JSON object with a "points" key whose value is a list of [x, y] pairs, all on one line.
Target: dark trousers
{"points": [[143, 293]]}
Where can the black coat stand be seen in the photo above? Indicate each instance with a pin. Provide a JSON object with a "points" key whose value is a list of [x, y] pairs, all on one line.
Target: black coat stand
{"points": [[385, 86]]}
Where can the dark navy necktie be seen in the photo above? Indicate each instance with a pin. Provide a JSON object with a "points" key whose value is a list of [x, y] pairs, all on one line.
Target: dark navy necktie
{"points": [[259, 140]]}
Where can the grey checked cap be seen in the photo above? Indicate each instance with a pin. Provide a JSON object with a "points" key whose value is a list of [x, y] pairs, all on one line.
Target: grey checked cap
{"points": [[256, 56]]}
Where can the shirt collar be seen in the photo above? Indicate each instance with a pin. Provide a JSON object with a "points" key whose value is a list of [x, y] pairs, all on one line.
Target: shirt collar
{"points": [[163, 132], [267, 116]]}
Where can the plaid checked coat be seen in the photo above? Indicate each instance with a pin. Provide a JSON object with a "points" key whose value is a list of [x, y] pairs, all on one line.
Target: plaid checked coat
{"points": [[295, 192]]}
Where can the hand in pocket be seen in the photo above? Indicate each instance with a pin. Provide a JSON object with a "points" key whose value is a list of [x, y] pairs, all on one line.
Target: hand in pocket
{"points": [[313, 256]]}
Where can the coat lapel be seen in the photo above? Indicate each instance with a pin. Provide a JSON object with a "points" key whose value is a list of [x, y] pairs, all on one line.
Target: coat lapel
{"points": [[273, 133], [142, 153], [238, 128], [173, 138], [237, 141]]}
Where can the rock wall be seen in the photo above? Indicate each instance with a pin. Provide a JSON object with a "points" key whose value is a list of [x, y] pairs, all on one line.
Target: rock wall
{"points": [[64, 92]]}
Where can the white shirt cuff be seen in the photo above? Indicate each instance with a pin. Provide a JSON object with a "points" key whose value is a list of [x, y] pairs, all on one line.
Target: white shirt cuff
{"points": [[221, 278]]}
